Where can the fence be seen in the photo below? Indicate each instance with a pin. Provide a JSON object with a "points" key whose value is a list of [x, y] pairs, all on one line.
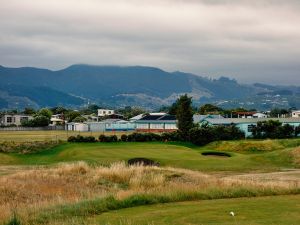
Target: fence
{"points": [[32, 128]]}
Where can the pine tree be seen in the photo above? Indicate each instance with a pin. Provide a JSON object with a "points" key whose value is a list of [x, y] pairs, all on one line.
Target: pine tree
{"points": [[184, 116]]}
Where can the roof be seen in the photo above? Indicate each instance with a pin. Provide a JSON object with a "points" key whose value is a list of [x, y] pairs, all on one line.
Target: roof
{"points": [[114, 121], [245, 113], [165, 118], [140, 116], [249, 120], [199, 118]]}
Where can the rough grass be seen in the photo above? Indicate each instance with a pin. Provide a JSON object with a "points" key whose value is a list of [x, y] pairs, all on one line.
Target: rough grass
{"points": [[50, 195], [27, 147], [295, 154], [254, 145]]}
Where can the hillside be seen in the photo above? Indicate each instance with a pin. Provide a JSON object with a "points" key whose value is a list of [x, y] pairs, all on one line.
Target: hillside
{"points": [[120, 86]]}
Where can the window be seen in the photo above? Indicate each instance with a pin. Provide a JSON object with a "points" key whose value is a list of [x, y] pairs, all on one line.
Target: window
{"points": [[250, 127], [9, 119]]}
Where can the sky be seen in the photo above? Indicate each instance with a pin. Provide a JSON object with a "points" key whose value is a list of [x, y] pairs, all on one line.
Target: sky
{"points": [[249, 40]]}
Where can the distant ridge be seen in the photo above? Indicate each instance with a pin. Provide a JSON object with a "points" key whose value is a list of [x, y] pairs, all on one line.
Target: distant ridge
{"points": [[119, 86]]}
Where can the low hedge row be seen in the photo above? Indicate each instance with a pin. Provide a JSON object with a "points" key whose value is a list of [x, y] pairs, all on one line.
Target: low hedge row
{"points": [[134, 137]]}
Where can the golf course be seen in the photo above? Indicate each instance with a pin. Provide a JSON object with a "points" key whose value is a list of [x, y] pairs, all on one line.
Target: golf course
{"points": [[91, 183]]}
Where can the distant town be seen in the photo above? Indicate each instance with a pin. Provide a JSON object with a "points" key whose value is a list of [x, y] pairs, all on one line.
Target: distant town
{"points": [[96, 119]]}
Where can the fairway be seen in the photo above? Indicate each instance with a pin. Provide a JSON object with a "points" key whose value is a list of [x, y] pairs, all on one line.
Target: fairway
{"points": [[167, 154], [277, 210]]}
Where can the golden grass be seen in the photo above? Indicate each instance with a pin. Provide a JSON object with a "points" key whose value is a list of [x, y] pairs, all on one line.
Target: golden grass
{"points": [[296, 156], [35, 189], [247, 145], [49, 135]]}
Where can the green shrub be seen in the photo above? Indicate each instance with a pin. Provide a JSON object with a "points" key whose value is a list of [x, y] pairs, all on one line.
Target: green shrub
{"points": [[80, 138]]}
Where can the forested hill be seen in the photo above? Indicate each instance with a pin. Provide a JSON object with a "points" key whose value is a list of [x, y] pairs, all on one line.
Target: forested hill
{"points": [[117, 86]]}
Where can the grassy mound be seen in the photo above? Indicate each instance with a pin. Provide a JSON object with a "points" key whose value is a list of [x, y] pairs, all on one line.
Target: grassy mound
{"points": [[254, 145]]}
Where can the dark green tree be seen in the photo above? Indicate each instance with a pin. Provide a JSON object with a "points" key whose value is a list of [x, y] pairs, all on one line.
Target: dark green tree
{"points": [[209, 108], [184, 116], [29, 111]]}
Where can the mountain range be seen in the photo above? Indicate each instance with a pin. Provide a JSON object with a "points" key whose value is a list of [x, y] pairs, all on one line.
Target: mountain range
{"points": [[117, 86]]}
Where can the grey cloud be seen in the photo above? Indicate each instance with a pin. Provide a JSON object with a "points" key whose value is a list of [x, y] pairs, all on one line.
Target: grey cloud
{"points": [[250, 40]]}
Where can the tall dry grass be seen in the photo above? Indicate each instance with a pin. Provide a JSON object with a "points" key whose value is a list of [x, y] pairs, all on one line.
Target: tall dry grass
{"points": [[30, 192]]}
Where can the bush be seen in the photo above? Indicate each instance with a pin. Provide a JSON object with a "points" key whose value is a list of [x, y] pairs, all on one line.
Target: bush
{"points": [[172, 136], [124, 137], [72, 139], [102, 138], [206, 134], [112, 138], [80, 138]]}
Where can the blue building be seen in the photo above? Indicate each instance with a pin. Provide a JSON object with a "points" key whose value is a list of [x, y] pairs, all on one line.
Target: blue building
{"points": [[246, 124]]}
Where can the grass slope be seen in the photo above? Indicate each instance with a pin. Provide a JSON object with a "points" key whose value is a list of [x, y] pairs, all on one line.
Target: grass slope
{"points": [[275, 210], [167, 154]]}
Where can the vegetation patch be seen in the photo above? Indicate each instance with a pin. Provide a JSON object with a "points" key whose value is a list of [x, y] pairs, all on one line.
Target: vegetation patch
{"points": [[296, 156], [214, 153], [54, 195], [27, 147], [247, 146]]}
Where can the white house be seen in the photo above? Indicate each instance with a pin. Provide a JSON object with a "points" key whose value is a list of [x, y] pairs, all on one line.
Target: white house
{"points": [[296, 114], [13, 119], [259, 115], [77, 127], [56, 120], [105, 112]]}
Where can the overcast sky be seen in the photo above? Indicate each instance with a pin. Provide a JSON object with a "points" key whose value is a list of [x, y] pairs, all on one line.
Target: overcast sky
{"points": [[250, 40]]}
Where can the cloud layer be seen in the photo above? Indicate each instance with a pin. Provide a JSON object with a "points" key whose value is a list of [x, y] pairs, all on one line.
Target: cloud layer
{"points": [[250, 40]]}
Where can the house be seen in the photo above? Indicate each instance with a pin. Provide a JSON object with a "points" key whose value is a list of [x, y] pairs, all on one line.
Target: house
{"points": [[296, 114], [82, 127], [156, 122], [57, 119], [91, 118], [118, 125], [244, 114], [247, 124], [105, 112], [13, 119], [104, 125], [259, 115]]}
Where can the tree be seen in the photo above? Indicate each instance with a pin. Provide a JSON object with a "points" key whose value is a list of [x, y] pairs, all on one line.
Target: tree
{"points": [[278, 112], [184, 116], [79, 119], [209, 108], [71, 115], [29, 111], [44, 112]]}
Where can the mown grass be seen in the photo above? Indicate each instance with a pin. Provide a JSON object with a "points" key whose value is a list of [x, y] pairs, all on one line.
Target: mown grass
{"points": [[275, 210], [167, 154]]}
